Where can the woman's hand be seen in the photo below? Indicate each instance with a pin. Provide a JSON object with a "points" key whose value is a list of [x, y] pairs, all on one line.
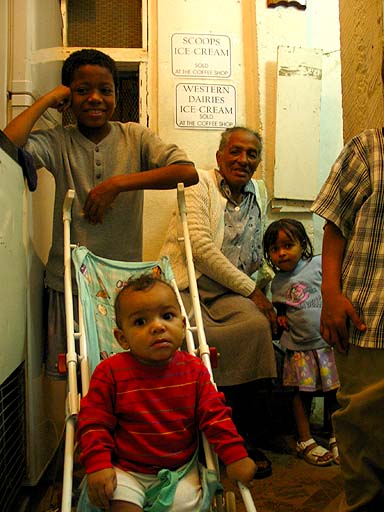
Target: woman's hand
{"points": [[265, 306]]}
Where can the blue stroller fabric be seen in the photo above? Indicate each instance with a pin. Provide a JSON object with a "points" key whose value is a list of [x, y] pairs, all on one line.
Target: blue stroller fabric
{"points": [[159, 497], [99, 281]]}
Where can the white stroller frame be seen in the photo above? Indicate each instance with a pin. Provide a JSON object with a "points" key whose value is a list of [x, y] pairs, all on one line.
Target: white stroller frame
{"points": [[74, 360]]}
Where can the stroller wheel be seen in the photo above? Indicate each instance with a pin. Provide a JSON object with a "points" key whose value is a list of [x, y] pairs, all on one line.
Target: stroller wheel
{"points": [[218, 502], [230, 501]]}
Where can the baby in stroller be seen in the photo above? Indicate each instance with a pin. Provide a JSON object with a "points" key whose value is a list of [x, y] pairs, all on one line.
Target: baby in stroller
{"points": [[138, 424]]}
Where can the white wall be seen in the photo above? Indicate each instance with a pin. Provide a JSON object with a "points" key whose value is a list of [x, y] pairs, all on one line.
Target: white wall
{"points": [[13, 275], [4, 60], [316, 27], [39, 26], [194, 17], [197, 17]]}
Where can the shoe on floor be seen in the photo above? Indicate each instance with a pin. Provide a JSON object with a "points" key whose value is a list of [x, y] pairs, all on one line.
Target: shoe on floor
{"points": [[334, 450], [313, 453]]}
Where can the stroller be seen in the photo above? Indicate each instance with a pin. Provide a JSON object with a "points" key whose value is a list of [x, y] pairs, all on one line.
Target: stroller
{"points": [[96, 278]]}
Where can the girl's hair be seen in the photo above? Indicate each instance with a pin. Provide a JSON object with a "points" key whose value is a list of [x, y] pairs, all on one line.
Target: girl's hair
{"points": [[294, 230], [88, 57], [137, 284]]}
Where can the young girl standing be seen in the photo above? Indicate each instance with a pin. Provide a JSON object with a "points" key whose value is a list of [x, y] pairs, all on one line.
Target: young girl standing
{"points": [[309, 364]]}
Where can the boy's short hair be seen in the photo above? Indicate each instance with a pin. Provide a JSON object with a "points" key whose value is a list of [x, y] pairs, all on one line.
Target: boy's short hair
{"points": [[85, 57], [144, 282]]}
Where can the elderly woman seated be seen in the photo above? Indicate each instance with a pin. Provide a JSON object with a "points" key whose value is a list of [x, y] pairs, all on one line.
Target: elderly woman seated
{"points": [[226, 214]]}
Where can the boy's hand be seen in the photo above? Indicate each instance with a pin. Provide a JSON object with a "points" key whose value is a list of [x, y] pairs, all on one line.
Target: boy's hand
{"points": [[101, 486], [99, 199], [242, 470], [60, 98]]}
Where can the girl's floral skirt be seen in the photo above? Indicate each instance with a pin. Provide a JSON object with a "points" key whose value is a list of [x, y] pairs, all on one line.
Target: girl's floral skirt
{"points": [[311, 370]]}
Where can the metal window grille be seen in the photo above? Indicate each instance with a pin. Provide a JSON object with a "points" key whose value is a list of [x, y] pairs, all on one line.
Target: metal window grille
{"points": [[113, 24], [100, 24], [12, 438], [127, 108]]}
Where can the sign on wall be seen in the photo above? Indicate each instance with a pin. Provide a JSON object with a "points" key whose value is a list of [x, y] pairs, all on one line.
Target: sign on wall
{"points": [[201, 55], [205, 106]]}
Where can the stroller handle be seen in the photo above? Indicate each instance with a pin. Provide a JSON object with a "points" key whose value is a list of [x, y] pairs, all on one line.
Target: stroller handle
{"points": [[67, 206]]}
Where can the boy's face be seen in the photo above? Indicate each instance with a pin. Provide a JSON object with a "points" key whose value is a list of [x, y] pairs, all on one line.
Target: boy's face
{"points": [[93, 97], [152, 326]]}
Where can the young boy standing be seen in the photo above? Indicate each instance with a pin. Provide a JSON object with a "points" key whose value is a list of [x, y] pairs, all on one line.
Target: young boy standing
{"points": [[144, 409], [352, 319], [103, 161]]}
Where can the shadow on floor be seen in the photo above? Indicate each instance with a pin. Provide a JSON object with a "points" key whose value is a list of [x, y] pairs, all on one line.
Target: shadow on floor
{"points": [[294, 485]]}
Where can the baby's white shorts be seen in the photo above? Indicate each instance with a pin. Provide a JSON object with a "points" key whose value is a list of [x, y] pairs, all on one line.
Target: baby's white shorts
{"points": [[131, 487]]}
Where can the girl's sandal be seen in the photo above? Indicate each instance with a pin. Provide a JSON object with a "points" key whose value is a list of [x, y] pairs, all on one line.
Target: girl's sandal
{"points": [[334, 450], [314, 454]]}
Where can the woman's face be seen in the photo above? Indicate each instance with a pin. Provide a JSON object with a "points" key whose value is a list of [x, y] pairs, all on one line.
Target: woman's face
{"points": [[239, 159]]}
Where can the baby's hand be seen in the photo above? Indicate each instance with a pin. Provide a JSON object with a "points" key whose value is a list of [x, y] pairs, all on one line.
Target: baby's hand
{"points": [[101, 486], [242, 470]]}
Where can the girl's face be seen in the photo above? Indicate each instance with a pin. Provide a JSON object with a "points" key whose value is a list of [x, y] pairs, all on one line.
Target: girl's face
{"points": [[285, 253], [93, 100]]}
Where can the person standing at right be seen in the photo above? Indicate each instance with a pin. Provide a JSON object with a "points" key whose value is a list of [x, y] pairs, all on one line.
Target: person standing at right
{"points": [[352, 319]]}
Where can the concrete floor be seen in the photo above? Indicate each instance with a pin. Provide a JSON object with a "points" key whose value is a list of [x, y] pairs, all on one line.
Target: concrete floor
{"points": [[294, 486]]}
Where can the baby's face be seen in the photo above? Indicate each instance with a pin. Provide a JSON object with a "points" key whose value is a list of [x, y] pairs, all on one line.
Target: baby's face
{"points": [[93, 96], [152, 326]]}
